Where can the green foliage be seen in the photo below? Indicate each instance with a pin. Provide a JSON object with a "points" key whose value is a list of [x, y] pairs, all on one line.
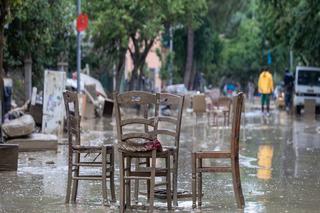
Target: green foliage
{"points": [[293, 25], [241, 54], [167, 64], [140, 22], [41, 30]]}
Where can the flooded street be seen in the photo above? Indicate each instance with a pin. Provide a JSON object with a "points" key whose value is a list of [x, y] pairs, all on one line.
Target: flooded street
{"points": [[279, 160]]}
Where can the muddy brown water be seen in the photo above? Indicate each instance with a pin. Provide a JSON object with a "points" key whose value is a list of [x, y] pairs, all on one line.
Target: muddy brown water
{"points": [[279, 158]]}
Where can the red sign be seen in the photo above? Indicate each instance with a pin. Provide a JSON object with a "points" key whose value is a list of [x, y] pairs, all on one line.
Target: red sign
{"points": [[82, 22]]}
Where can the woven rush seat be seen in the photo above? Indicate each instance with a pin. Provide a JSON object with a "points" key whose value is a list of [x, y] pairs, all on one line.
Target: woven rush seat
{"points": [[139, 145]]}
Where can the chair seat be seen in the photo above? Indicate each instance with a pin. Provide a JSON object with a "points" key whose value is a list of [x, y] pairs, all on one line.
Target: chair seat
{"points": [[145, 172], [92, 148], [213, 154], [144, 154]]}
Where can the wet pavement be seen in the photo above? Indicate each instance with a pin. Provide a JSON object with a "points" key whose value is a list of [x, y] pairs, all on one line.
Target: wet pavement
{"points": [[279, 159]]}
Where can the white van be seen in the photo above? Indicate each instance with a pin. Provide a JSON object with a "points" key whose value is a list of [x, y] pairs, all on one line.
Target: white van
{"points": [[307, 86]]}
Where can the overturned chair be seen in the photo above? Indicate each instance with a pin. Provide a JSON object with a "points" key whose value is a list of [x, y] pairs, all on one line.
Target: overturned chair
{"points": [[78, 154]]}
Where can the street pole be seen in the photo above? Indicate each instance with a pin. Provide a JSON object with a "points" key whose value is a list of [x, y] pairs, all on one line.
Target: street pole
{"points": [[78, 48], [171, 51], [291, 60]]}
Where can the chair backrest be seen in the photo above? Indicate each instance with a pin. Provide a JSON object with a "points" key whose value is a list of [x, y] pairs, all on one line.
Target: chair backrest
{"points": [[71, 103], [236, 121], [173, 120], [224, 102], [143, 100], [199, 103]]}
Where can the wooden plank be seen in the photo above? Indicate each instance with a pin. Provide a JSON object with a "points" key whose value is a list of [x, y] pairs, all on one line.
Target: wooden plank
{"points": [[9, 157], [36, 142]]}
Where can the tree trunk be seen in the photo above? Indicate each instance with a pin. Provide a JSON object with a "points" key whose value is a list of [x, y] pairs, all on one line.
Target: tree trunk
{"points": [[193, 76], [28, 76], [189, 60], [120, 67]]}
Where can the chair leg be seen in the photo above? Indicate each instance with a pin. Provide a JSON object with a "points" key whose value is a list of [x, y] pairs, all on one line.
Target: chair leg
{"points": [[122, 192], [112, 186], [128, 183], [237, 183], [69, 179], [136, 183], [175, 179], [148, 181], [75, 182], [168, 180], [104, 175], [199, 183], [194, 180], [152, 180]]}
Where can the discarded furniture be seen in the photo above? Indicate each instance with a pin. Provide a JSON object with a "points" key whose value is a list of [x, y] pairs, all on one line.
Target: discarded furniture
{"points": [[137, 140], [168, 128], [89, 108], [78, 154], [9, 157], [221, 107], [53, 110], [108, 108], [36, 142], [199, 105], [233, 154], [36, 111]]}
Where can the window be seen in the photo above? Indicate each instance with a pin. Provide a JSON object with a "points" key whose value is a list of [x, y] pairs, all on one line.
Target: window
{"points": [[309, 78]]}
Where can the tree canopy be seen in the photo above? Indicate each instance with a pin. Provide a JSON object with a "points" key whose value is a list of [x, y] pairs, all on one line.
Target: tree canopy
{"points": [[214, 39]]}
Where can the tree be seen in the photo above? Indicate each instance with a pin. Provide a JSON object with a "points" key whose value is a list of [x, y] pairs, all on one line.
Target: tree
{"points": [[40, 31], [134, 25], [218, 19], [5, 7], [293, 25]]}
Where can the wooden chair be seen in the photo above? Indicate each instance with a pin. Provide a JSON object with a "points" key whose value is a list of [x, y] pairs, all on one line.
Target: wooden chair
{"points": [[221, 107], [199, 105], [79, 154], [233, 154], [175, 102], [169, 126], [132, 145]]}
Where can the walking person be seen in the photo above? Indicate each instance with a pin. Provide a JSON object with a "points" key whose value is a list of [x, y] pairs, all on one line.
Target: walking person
{"points": [[288, 89], [265, 85]]}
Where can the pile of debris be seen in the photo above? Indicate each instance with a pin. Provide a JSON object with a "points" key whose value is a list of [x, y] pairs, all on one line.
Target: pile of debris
{"points": [[20, 128]]}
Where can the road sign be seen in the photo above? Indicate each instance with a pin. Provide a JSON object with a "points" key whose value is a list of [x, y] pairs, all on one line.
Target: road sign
{"points": [[82, 22]]}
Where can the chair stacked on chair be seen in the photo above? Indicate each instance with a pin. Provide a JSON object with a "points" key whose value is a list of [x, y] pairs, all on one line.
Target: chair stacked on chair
{"points": [[78, 154], [168, 130], [233, 154], [134, 143]]}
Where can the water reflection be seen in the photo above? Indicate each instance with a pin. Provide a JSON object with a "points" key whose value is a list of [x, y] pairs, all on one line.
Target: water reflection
{"points": [[265, 155]]}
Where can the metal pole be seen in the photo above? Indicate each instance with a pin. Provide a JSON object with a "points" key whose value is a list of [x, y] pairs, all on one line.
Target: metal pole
{"points": [[78, 48], [291, 60], [171, 51]]}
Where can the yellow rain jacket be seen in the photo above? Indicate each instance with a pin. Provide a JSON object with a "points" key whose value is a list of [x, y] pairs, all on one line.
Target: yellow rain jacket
{"points": [[265, 83]]}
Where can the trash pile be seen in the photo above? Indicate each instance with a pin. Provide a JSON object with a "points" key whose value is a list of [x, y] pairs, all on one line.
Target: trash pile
{"points": [[42, 117]]}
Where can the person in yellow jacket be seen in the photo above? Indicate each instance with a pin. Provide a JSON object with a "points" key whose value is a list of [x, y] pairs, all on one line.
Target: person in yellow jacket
{"points": [[265, 86]]}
